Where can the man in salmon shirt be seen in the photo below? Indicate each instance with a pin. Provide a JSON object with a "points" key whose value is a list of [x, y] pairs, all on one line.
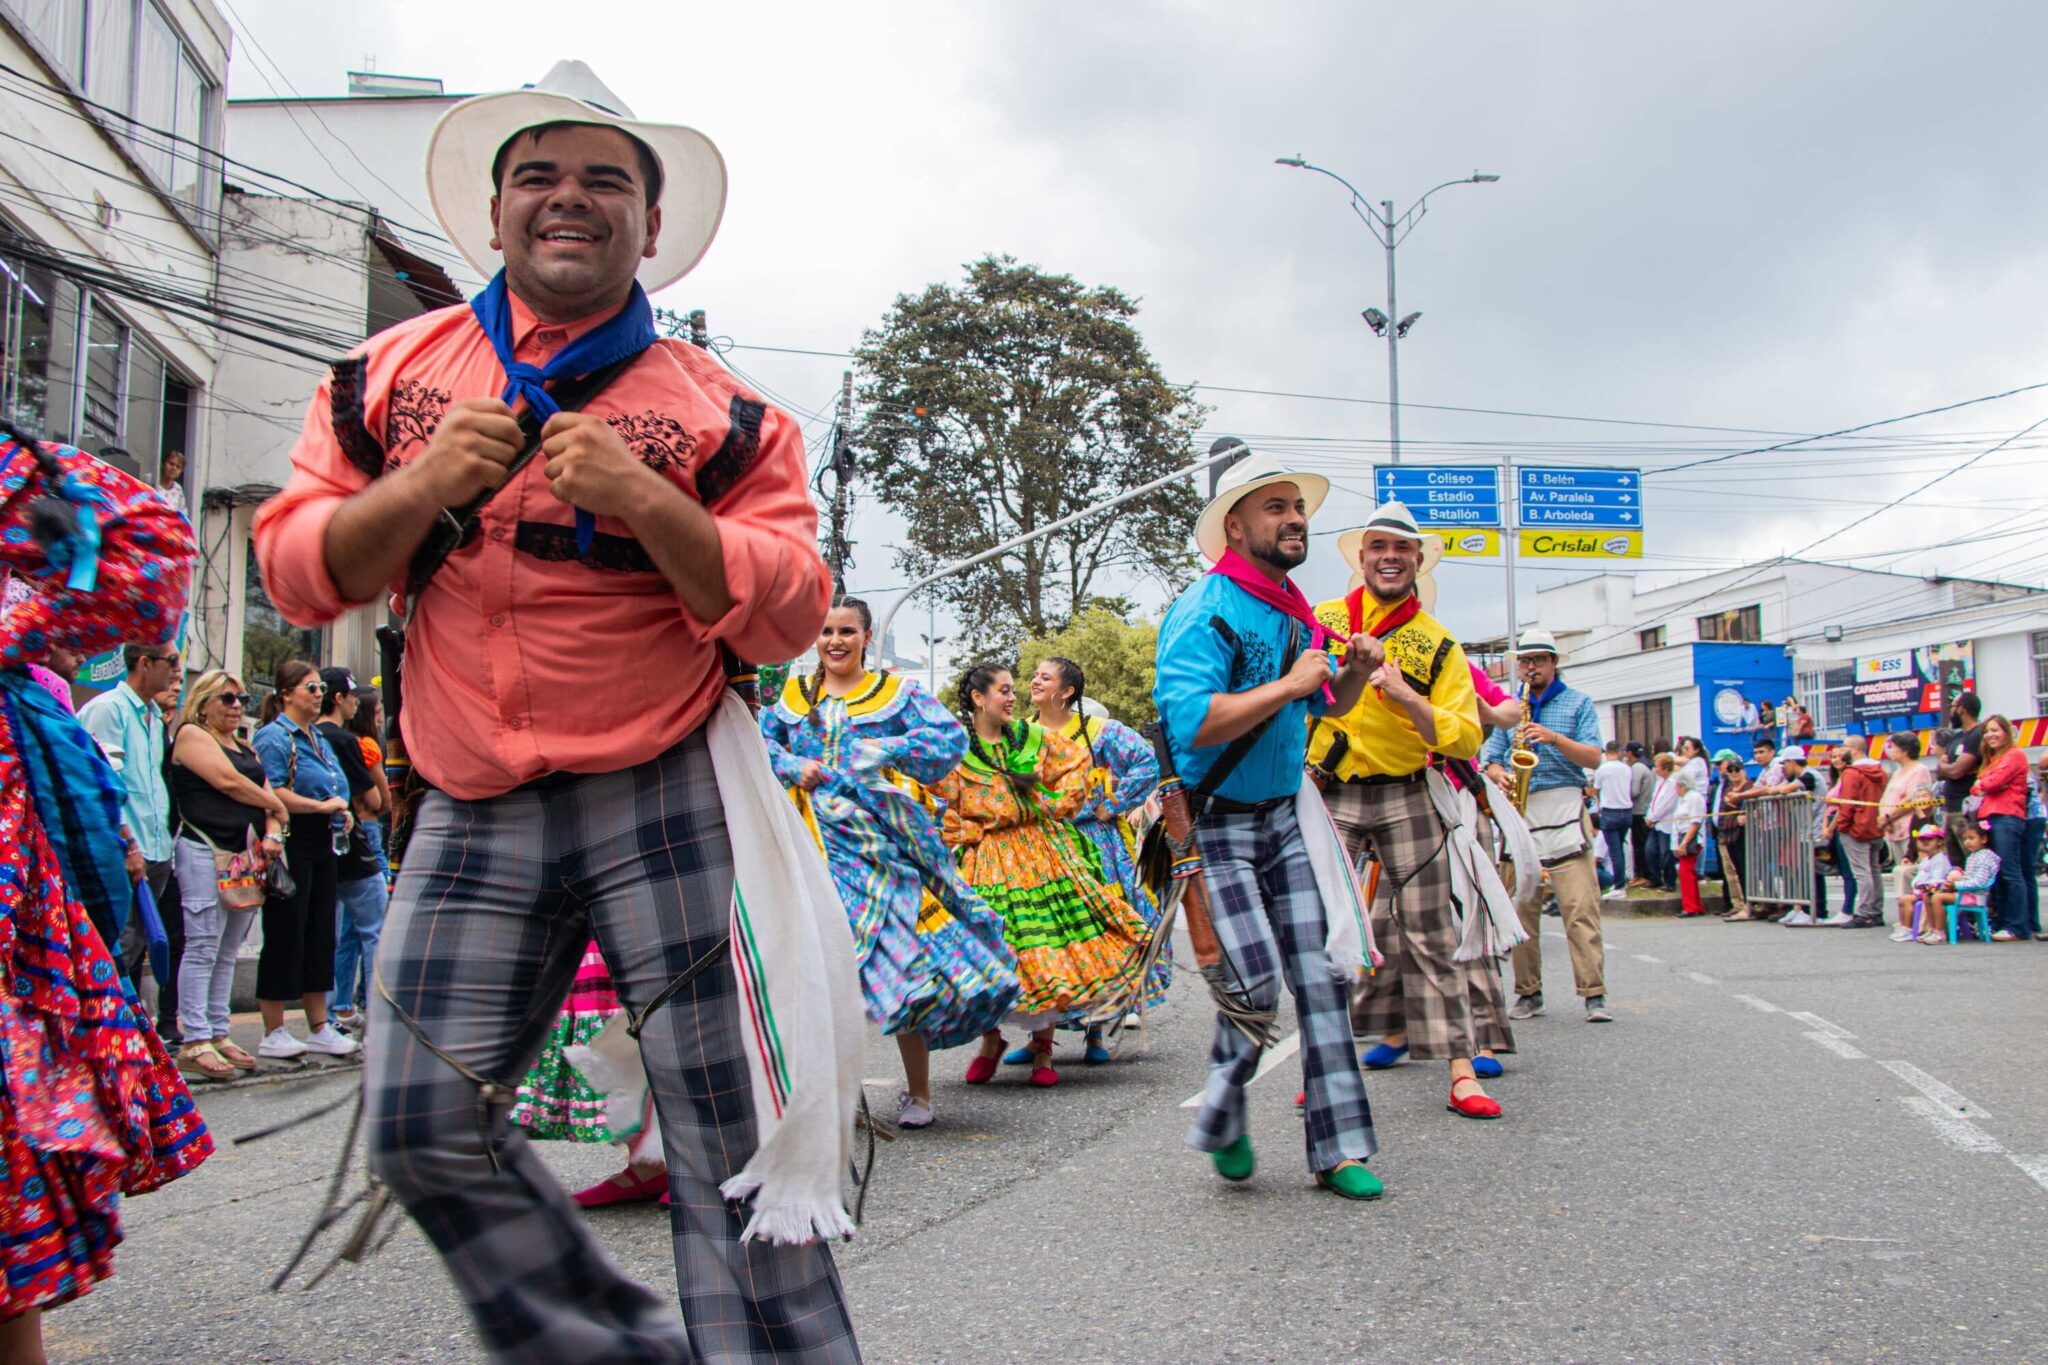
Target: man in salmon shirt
{"points": [[664, 524]]}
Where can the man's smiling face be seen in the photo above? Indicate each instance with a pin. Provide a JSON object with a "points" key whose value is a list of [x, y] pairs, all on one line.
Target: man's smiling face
{"points": [[572, 218], [1389, 563]]}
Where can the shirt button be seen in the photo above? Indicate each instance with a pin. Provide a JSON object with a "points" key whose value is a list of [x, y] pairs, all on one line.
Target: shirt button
{"points": [[516, 723], [548, 336], [497, 533], [498, 619]]}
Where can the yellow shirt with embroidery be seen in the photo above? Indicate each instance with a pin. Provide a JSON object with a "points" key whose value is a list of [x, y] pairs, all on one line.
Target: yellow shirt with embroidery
{"points": [[1377, 737]]}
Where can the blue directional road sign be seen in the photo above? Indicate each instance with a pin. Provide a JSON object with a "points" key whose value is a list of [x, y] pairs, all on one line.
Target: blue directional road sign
{"points": [[1443, 495], [1588, 499]]}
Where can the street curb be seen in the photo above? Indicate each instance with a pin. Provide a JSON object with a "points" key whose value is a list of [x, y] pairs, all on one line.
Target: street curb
{"points": [[278, 1077]]}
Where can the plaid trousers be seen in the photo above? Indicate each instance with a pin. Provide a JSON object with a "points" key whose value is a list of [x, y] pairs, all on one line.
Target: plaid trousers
{"points": [[488, 923], [1269, 919], [1444, 1006]]}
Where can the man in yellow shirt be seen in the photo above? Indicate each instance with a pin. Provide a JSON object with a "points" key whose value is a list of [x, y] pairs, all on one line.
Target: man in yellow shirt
{"points": [[1374, 760]]}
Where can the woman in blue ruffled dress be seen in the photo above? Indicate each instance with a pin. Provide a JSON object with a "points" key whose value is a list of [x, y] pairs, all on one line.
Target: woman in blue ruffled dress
{"points": [[856, 748]]}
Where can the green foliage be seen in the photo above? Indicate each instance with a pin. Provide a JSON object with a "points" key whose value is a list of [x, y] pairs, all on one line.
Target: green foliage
{"points": [[1008, 402], [1116, 655]]}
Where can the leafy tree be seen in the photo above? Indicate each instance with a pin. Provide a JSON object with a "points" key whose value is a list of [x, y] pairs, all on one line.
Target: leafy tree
{"points": [[1004, 404], [1116, 655]]}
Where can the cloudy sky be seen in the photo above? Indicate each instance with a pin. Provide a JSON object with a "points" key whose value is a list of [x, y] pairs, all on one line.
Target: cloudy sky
{"points": [[1716, 227]]}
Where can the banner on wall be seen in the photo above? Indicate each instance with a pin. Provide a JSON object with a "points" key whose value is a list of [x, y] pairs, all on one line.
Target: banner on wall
{"points": [[1913, 682]]}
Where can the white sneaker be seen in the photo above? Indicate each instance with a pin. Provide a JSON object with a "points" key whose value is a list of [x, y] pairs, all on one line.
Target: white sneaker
{"points": [[1797, 919], [1614, 894], [330, 1042], [1838, 920], [281, 1045], [1903, 935]]}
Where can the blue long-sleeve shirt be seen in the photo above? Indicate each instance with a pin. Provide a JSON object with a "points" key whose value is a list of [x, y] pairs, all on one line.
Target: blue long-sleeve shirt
{"points": [[1565, 711], [1197, 660]]}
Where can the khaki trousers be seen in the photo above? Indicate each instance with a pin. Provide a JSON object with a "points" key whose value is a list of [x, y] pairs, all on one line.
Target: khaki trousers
{"points": [[1577, 883]]}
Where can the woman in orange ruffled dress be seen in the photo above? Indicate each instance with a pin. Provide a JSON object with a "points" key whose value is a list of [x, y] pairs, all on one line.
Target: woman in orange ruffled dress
{"points": [[1009, 810]]}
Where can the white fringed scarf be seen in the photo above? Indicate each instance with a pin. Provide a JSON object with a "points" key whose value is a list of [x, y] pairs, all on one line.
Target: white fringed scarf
{"points": [[1348, 943], [1481, 906]]}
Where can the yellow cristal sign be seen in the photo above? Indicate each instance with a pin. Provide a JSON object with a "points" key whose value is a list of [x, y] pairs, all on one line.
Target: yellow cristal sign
{"points": [[1479, 544], [1580, 544]]}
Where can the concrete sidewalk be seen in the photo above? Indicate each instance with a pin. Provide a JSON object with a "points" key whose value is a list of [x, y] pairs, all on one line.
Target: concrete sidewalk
{"points": [[247, 1031]]}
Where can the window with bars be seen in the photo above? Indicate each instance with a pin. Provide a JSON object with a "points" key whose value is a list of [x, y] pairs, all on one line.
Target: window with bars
{"points": [[2039, 641]]}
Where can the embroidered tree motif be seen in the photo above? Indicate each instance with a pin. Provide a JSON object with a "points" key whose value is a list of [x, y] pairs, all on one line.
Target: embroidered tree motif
{"points": [[662, 443], [414, 415]]}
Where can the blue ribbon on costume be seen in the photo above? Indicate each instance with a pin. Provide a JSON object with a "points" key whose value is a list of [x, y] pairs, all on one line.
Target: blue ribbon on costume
{"points": [[627, 332], [75, 795], [153, 932]]}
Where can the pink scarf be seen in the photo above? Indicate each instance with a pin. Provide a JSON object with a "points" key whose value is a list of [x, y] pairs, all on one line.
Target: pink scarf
{"points": [[1282, 597]]}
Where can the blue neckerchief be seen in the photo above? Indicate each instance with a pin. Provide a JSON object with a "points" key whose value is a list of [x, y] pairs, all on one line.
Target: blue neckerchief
{"points": [[74, 794], [627, 332], [1536, 706]]}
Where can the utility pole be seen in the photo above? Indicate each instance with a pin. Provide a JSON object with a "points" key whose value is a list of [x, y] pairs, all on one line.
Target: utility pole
{"points": [[836, 547], [1394, 333]]}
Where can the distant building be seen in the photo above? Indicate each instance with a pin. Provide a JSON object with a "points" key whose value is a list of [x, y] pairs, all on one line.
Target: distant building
{"points": [[1863, 651]]}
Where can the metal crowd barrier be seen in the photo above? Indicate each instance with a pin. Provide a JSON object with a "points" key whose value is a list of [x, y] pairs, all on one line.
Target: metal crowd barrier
{"points": [[1778, 849]]}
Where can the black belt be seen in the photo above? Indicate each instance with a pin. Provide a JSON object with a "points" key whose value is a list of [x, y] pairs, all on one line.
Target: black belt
{"points": [[1387, 779], [1219, 805]]}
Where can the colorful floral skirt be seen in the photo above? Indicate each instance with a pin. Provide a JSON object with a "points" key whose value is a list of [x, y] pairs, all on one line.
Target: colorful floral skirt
{"points": [[554, 1101], [1078, 942], [1113, 842], [91, 1105]]}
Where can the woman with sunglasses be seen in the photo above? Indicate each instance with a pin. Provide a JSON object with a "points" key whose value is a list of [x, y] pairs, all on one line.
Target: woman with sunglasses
{"points": [[225, 804], [297, 960]]}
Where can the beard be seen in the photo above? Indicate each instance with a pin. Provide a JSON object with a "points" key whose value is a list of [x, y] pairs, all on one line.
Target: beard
{"points": [[1379, 595], [1269, 551]]}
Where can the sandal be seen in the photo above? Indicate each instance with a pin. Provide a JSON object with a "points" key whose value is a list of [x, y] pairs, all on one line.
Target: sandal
{"points": [[200, 1059], [235, 1056]]}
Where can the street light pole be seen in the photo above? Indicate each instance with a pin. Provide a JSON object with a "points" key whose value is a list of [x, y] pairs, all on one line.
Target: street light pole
{"points": [[1390, 230]]}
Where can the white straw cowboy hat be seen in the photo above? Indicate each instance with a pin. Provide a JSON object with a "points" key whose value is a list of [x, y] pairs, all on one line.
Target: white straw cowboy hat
{"points": [[1246, 477], [467, 139], [1537, 640], [1393, 518]]}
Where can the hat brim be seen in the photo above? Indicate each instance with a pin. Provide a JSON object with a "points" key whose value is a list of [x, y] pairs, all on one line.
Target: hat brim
{"points": [[467, 139], [1209, 526]]}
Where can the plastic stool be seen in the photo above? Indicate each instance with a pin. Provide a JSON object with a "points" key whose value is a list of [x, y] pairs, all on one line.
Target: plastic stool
{"points": [[1980, 913]]}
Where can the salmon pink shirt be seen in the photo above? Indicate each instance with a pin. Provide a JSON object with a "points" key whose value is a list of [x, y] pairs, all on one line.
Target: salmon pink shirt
{"points": [[523, 659]]}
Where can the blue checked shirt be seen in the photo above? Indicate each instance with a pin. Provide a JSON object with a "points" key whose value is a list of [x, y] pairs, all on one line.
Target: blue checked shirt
{"points": [[130, 732], [1568, 712]]}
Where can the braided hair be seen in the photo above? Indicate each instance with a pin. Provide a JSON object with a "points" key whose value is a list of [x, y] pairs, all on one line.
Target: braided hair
{"points": [[982, 678], [1071, 677], [813, 687]]}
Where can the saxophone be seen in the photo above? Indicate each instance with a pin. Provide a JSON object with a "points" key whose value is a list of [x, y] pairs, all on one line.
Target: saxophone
{"points": [[1521, 758]]}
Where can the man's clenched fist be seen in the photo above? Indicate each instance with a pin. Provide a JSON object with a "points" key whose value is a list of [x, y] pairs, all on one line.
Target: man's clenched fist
{"points": [[469, 451], [590, 467]]}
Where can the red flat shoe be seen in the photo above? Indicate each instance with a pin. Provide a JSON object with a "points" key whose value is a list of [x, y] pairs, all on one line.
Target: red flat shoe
{"points": [[982, 1070], [624, 1188], [1473, 1106], [1042, 1074]]}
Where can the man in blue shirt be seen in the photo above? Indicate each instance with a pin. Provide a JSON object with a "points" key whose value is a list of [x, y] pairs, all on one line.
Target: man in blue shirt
{"points": [[1564, 732], [1239, 677], [129, 729]]}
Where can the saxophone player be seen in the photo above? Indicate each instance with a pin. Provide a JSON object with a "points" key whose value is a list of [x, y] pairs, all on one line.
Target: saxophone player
{"points": [[1564, 732]]}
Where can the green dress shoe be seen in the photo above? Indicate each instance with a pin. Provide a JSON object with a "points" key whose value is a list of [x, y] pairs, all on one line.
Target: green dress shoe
{"points": [[1352, 1180], [1236, 1161]]}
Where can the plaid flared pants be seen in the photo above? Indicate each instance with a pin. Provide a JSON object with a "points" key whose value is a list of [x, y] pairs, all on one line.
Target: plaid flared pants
{"points": [[489, 921], [1269, 920], [1449, 1010]]}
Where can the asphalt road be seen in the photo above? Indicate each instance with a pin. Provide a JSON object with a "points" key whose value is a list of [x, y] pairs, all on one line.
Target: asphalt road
{"points": [[1776, 1152]]}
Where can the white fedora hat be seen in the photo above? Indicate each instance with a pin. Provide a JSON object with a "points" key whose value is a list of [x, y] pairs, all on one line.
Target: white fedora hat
{"points": [[1245, 477], [1393, 518], [467, 139], [1537, 640]]}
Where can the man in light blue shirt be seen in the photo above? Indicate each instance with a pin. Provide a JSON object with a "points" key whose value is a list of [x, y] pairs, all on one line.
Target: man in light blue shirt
{"points": [[1240, 673], [130, 732], [1564, 731]]}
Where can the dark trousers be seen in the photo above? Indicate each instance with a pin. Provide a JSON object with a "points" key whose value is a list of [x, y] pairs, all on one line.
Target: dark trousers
{"points": [[2008, 893], [298, 930], [1659, 866], [2030, 872], [134, 954], [1840, 866], [1639, 844], [1614, 829], [1731, 848]]}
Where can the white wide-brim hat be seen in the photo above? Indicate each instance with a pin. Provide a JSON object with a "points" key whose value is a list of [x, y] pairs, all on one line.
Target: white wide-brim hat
{"points": [[1241, 480], [467, 139], [1537, 640]]}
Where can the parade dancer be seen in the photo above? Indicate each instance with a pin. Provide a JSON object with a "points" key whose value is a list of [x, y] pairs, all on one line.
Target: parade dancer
{"points": [[93, 1106], [856, 749], [1564, 731], [1008, 812], [648, 508], [1240, 676], [1122, 775], [1375, 759]]}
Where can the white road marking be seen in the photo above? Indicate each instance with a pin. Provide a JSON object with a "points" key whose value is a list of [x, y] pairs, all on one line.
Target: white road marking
{"points": [[1814, 1021], [1704, 979], [1275, 1055], [1832, 1044], [1645, 957], [1764, 1006], [1956, 1131], [1946, 1096], [2036, 1167]]}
